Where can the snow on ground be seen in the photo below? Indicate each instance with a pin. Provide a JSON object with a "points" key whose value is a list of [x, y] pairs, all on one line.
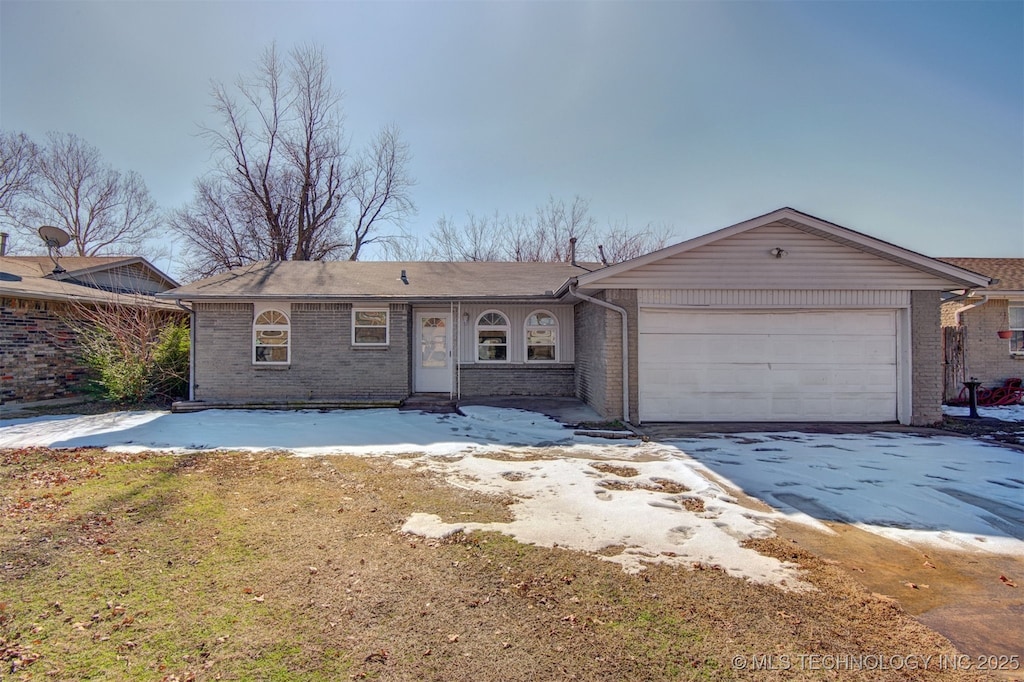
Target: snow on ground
{"points": [[948, 491], [1006, 413], [636, 502]]}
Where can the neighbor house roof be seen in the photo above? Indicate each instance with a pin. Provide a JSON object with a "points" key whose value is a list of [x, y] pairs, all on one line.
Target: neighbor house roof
{"points": [[955, 276], [81, 266], [383, 279], [1007, 273], [32, 277]]}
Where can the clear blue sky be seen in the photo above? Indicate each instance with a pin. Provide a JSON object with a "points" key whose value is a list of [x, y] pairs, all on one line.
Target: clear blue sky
{"points": [[904, 120]]}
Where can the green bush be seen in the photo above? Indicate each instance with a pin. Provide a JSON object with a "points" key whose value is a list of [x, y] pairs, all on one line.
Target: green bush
{"points": [[133, 366], [170, 361]]}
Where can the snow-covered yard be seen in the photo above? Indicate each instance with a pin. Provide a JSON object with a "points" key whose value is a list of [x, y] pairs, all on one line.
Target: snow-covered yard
{"points": [[634, 502], [1006, 413]]}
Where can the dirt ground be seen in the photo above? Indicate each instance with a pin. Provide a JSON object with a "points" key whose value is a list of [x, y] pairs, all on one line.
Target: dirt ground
{"points": [[968, 597], [266, 566]]}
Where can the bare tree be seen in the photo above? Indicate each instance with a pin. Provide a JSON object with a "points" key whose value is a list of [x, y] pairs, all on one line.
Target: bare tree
{"points": [[220, 231], [619, 242], [18, 172], [380, 189], [104, 210], [545, 237], [478, 239], [558, 223], [285, 186]]}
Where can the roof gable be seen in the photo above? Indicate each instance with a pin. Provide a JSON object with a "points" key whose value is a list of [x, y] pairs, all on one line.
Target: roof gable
{"points": [[103, 278], [813, 254], [89, 267]]}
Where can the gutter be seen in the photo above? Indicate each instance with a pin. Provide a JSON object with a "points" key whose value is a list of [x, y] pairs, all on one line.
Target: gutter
{"points": [[961, 310], [191, 348], [625, 342]]}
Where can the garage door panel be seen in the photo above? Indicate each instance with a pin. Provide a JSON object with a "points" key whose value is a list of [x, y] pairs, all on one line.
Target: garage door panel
{"points": [[792, 366]]}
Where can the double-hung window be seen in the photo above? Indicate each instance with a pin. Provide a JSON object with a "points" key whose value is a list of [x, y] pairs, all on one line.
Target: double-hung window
{"points": [[541, 337], [1016, 311], [492, 337], [271, 337], [370, 327]]}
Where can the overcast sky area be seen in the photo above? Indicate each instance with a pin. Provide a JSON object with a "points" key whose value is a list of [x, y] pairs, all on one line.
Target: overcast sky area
{"points": [[903, 120]]}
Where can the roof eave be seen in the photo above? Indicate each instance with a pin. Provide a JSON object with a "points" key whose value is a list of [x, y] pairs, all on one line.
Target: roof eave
{"points": [[958, 276]]}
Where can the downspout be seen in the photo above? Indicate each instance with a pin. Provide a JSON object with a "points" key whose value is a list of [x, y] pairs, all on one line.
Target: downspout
{"points": [[458, 355], [625, 343], [452, 346], [963, 309], [191, 348]]}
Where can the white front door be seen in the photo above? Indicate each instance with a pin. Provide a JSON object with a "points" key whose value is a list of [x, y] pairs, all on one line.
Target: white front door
{"points": [[434, 361]]}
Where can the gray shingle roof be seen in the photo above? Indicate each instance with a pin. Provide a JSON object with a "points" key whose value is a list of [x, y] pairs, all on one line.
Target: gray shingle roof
{"points": [[376, 279], [30, 277]]}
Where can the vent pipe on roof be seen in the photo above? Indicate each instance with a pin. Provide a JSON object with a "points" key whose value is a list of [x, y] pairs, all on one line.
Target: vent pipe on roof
{"points": [[572, 250], [3, 243], [600, 250], [404, 278]]}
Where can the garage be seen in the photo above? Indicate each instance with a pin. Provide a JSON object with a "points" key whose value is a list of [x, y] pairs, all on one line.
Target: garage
{"points": [[779, 365]]}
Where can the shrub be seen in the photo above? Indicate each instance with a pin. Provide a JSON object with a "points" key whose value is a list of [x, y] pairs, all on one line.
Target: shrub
{"points": [[136, 353]]}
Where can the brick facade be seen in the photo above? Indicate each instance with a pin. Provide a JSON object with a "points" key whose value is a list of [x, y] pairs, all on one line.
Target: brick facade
{"points": [[517, 379], [599, 354], [324, 363], [986, 356], [38, 355], [926, 358]]}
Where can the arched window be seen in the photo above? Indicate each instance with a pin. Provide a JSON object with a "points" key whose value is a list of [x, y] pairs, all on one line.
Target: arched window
{"points": [[492, 337], [271, 334], [541, 337]]}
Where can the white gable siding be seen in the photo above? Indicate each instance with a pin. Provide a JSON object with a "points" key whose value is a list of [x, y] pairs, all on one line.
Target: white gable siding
{"points": [[743, 261], [774, 298]]}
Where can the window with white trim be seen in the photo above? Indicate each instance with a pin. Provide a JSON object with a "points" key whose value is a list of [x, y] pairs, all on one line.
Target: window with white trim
{"points": [[370, 327], [1016, 311], [541, 337], [492, 337], [271, 337]]}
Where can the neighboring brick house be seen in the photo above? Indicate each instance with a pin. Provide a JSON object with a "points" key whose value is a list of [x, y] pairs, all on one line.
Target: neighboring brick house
{"points": [[974, 345], [784, 317], [38, 352]]}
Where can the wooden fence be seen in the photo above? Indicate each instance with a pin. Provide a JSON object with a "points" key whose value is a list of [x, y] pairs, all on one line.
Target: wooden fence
{"points": [[954, 374]]}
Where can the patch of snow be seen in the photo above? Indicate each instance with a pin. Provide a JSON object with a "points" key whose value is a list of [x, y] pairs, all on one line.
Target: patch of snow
{"points": [[952, 492], [1006, 413], [627, 501]]}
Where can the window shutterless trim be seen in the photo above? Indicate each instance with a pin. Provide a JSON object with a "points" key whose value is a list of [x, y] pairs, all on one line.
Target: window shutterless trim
{"points": [[503, 328], [356, 327], [272, 326], [553, 328]]}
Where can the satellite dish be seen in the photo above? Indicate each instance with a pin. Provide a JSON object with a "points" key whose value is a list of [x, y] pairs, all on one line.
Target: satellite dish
{"points": [[54, 237]]}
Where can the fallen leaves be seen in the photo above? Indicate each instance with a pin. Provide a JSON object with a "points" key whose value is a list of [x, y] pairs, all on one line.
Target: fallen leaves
{"points": [[1006, 581]]}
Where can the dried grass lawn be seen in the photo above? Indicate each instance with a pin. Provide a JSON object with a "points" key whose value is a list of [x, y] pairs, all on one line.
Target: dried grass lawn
{"points": [[239, 566]]}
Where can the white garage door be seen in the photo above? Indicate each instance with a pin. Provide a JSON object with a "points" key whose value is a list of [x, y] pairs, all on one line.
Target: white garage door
{"points": [[767, 366]]}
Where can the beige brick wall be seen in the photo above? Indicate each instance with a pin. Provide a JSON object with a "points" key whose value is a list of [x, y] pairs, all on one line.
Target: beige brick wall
{"points": [[987, 356], [593, 355], [324, 364], [926, 358], [599, 354]]}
